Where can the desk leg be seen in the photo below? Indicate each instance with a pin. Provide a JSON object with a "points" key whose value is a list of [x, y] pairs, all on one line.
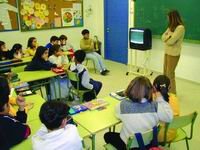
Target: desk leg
{"points": [[93, 141], [59, 88]]}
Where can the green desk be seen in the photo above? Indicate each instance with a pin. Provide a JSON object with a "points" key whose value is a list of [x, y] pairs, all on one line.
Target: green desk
{"points": [[97, 120], [24, 61], [35, 125], [33, 113], [30, 76]]}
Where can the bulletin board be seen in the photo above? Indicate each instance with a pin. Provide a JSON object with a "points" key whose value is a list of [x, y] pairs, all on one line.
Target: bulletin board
{"points": [[50, 14], [8, 15]]}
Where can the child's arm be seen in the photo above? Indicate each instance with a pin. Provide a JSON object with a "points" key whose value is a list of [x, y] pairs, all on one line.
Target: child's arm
{"points": [[86, 80]]}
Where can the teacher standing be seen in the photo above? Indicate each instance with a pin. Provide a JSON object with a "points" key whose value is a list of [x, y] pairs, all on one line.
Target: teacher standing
{"points": [[173, 39]]}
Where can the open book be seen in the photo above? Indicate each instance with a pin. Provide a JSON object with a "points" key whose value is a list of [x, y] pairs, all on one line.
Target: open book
{"points": [[118, 95]]}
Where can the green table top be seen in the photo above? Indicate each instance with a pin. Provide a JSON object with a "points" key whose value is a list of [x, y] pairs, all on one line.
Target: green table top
{"points": [[25, 60], [97, 120], [28, 76]]}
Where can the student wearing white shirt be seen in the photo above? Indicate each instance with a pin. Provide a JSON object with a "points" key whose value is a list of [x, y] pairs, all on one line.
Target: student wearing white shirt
{"points": [[58, 133], [58, 57]]}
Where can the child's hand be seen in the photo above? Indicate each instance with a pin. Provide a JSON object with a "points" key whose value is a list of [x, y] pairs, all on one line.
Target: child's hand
{"points": [[21, 102], [157, 94]]}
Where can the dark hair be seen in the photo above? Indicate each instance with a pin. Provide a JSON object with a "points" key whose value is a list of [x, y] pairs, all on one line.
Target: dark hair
{"points": [[30, 42], [55, 48], [52, 114], [63, 37], [174, 20], [15, 48], [85, 31], [140, 87], [39, 52], [54, 38], [1, 44], [79, 56], [4, 92], [1, 51], [161, 83]]}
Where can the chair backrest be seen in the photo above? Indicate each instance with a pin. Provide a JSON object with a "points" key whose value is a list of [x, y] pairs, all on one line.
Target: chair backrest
{"points": [[180, 122], [147, 138], [73, 77]]}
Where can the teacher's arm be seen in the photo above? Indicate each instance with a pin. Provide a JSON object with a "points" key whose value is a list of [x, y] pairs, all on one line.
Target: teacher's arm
{"points": [[165, 35], [178, 33]]}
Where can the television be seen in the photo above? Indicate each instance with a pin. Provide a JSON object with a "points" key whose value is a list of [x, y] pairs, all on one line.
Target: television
{"points": [[140, 39]]}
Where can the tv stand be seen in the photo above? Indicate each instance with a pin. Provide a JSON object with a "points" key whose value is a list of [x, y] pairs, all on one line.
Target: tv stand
{"points": [[144, 68]]}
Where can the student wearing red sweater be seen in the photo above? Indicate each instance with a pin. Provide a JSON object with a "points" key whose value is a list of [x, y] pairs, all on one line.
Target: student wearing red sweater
{"points": [[13, 130]]}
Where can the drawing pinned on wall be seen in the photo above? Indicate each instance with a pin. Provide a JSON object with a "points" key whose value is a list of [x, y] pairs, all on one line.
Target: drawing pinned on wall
{"points": [[34, 15], [78, 18], [67, 17], [7, 20]]}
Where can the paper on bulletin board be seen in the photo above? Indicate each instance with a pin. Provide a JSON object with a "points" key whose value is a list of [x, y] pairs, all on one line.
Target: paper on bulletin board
{"points": [[78, 18], [67, 17]]}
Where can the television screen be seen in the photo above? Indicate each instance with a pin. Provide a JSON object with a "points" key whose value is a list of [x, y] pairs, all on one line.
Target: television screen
{"points": [[137, 36]]}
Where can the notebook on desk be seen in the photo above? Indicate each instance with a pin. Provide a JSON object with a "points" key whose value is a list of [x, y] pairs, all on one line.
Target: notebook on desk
{"points": [[118, 95]]}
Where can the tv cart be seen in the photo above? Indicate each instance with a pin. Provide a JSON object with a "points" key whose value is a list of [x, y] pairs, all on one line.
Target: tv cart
{"points": [[144, 68]]}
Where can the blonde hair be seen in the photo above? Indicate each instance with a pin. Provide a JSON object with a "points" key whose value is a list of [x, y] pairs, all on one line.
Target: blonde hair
{"points": [[140, 87], [174, 20]]}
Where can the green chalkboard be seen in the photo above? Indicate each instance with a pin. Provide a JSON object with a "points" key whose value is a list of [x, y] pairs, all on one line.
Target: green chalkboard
{"points": [[153, 14]]}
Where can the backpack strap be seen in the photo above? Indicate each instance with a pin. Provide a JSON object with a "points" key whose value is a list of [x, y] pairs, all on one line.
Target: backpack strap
{"points": [[140, 141]]}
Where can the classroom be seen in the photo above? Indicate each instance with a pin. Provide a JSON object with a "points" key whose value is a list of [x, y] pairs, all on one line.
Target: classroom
{"points": [[109, 22]]}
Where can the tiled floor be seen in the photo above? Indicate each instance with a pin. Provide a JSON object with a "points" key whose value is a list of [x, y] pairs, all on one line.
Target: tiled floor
{"points": [[187, 92]]}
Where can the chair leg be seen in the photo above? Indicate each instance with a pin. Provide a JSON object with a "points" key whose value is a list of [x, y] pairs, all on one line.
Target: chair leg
{"points": [[187, 144], [94, 66]]}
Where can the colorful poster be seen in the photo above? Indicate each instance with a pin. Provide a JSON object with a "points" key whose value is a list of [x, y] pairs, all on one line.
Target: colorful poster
{"points": [[67, 17]]}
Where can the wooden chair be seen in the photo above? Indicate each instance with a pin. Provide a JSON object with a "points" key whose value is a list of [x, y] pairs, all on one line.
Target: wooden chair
{"points": [[178, 123], [138, 140], [75, 91]]}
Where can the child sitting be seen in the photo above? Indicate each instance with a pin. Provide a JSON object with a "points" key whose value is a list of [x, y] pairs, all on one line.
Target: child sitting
{"points": [[85, 81], [31, 46], [40, 61], [16, 51], [4, 52], [65, 46], [12, 129], [138, 113], [53, 40], [58, 57], [58, 133], [162, 84]]}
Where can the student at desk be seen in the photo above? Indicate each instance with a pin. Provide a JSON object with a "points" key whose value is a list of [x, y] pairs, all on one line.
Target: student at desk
{"points": [[58, 132], [139, 113], [31, 46], [58, 57], [40, 61], [16, 51], [12, 129], [53, 40], [4, 52]]}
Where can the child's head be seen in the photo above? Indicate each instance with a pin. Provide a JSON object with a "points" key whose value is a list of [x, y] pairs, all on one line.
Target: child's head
{"points": [[79, 56], [85, 33], [55, 49], [63, 39], [4, 95], [17, 48], [54, 40], [139, 88], [41, 53], [2, 46], [162, 84], [54, 114], [32, 43]]}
